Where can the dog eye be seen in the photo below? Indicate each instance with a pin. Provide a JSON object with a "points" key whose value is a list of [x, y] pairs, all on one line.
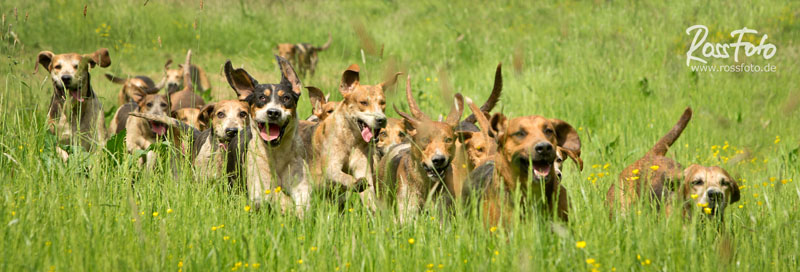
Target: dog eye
{"points": [[220, 115], [285, 99], [448, 140], [520, 134], [262, 98], [242, 114], [330, 111], [479, 149], [383, 102], [401, 134], [725, 183], [697, 182], [75, 67], [548, 131], [58, 66], [363, 103], [163, 105], [383, 134], [149, 104]]}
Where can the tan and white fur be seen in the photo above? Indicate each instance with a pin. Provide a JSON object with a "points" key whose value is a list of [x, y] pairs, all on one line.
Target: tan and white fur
{"points": [[274, 154], [342, 144], [75, 113]]}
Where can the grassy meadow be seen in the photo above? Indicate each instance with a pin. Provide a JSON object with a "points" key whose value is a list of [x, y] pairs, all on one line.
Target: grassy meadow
{"points": [[616, 70]]}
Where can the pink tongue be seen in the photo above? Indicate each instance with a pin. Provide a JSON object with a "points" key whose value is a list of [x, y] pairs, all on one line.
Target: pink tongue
{"points": [[76, 96], [541, 170], [366, 133], [158, 128], [223, 146], [274, 132]]}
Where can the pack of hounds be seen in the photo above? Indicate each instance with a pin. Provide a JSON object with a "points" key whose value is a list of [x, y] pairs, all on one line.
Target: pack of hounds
{"points": [[258, 142]]}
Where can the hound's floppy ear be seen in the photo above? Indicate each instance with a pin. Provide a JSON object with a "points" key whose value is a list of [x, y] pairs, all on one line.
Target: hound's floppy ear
{"points": [[498, 125], [567, 136], [241, 82], [288, 76], [204, 119], [137, 94], [44, 58], [390, 81], [735, 195], [409, 122], [455, 113], [349, 79], [577, 159], [317, 98], [100, 57]]}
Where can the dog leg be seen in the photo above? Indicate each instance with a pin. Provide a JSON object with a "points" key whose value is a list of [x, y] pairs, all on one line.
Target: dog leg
{"points": [[407, 202], [63, 154]]}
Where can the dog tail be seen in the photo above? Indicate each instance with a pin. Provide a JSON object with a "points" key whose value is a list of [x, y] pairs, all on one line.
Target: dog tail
{"points": [[412, 104], [493, 97], [114, 79], [187, 71], [665, 142], [327, 44]]}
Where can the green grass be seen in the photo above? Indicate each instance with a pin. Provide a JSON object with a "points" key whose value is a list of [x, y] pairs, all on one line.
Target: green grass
{"points": [[616, 70]]}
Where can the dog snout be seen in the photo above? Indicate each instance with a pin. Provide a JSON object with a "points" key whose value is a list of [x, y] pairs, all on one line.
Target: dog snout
{"points": [[231, 132], [66, 79], [543, 148], [715, 196], [381, 122], [273, 114], [439, 161]]}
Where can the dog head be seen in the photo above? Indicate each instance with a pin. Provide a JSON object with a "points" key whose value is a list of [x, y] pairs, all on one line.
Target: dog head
{"points": [[173, 78], [532, 141], [321, 108], [363, 105], [273, 107], [189, 116], [393, 134], [433, 143], [479, 145], [710, 189], [70, 72], [561, 155], [226, 119], [155, 104]]}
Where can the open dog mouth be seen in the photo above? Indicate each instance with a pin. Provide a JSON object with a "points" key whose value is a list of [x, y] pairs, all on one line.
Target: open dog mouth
{"points": [[76, 95], [367, 133], [270, 132], [541, 168], [433, 172], [158, 128]]}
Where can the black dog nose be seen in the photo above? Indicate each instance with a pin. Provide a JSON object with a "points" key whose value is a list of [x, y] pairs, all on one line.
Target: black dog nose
{"points": [[381, 121], [543, 148], [231, 132], [715, 195], [439, 161], [273, 113], [66, 78]]}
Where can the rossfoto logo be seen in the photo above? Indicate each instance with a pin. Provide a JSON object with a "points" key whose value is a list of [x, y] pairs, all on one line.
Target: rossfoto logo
{"points": [[726, 50]]}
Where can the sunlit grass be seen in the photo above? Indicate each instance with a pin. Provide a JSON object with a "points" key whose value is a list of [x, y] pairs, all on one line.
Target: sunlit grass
{"points": [[616, 71]]}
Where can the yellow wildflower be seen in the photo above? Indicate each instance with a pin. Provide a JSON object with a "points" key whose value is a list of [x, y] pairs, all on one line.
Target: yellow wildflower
{"points": [[635, 171], [492, 229], [694, 196], [247, 208], [707, 210], [155, 214], [411, 241], [169, 211], [278, 189], [580, 244], [654, 167], [590, 261]]}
